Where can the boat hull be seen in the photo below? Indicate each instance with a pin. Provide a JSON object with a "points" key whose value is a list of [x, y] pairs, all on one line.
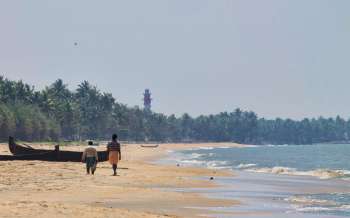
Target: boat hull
{"points": [[21, 152]]}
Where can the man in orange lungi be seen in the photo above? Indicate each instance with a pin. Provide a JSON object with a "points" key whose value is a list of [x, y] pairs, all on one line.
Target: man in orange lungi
{"points": [[114, 153]]}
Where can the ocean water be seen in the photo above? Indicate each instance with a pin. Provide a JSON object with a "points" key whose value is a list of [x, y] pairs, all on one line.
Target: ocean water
{"points": [[296, 180]]}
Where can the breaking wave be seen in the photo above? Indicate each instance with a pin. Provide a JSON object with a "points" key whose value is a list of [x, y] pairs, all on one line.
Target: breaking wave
{"points": [[313, 209], [309, 204], [344, 208], [245, 166], [196, 155], [217, 164], [207, 164], [276, 146], [320, 173], [205, 148], [304, 200], [192, 162]]}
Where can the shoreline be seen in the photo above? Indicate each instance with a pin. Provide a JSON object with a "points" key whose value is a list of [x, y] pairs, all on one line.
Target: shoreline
{"points": [[38, 189], [270, 194]]}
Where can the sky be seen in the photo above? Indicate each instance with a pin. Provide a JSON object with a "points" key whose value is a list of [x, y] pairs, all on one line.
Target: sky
{"points": [[278, 58]]}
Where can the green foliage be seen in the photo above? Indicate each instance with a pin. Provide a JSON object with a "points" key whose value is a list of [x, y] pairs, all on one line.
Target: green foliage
{"points": [[56, 113], [31, 124], [7, 122]]}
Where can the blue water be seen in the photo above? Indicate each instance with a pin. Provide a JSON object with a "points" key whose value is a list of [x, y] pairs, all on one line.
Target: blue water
{"points": [[327, 203], [316, 177], [325, 160]]}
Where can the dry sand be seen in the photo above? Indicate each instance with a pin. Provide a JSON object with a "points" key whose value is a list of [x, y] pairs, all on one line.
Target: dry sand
{"points": [[45, 189]]}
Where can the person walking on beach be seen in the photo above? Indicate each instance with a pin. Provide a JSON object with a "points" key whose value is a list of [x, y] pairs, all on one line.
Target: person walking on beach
{"points": [[90, 156], [114, 153]]}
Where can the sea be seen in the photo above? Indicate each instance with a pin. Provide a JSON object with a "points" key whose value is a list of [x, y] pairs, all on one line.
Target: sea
{"points": [[277, 180]]}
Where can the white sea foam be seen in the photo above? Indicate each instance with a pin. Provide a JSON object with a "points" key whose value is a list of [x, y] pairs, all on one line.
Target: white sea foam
{"points": [[192, 162], [313, 209], [320, 173], [345, 207], [217, 164], [199, 148], [196, 155], [245, 166], [304, 200], [208, 164], [276, 146], [328, 174], [309, 204], [206, 148], [250, 146], [274, 170]]}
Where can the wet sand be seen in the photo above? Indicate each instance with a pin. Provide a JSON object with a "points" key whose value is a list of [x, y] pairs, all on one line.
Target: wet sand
{"points": [[45, 189]]}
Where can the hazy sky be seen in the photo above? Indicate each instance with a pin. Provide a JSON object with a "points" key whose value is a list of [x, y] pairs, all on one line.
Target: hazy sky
{"points": [[275, 57]]}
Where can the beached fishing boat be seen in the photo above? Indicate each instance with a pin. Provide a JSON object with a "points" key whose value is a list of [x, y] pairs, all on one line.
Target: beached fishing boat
{"points": [[25, 152], [45, 156]]}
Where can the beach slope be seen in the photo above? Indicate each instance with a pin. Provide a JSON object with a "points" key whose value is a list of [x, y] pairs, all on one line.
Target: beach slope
{"points": [[141, 189]]}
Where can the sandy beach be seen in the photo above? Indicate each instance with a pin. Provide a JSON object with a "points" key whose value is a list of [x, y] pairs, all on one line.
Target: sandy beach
{"points": [[142, 188]]}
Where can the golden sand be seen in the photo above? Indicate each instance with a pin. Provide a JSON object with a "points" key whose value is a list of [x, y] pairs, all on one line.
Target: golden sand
{"points": [[142, 189]]}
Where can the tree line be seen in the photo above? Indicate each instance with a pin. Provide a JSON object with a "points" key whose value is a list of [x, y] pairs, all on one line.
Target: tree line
{"points": [[57, 113]]}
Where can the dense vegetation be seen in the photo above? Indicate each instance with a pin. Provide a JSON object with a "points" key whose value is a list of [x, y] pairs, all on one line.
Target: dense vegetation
{"points": [[56, 113]]}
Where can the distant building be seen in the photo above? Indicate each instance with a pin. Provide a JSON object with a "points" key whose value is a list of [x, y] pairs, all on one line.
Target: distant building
{"points": [[147, 100]]}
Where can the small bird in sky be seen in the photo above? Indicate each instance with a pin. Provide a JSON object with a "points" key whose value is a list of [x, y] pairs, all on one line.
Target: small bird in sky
{"points": [[75, 43]]}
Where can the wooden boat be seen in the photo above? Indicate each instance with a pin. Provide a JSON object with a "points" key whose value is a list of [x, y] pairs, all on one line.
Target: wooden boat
{"points": [[25, 152], [149, 146], [48, 156]]}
